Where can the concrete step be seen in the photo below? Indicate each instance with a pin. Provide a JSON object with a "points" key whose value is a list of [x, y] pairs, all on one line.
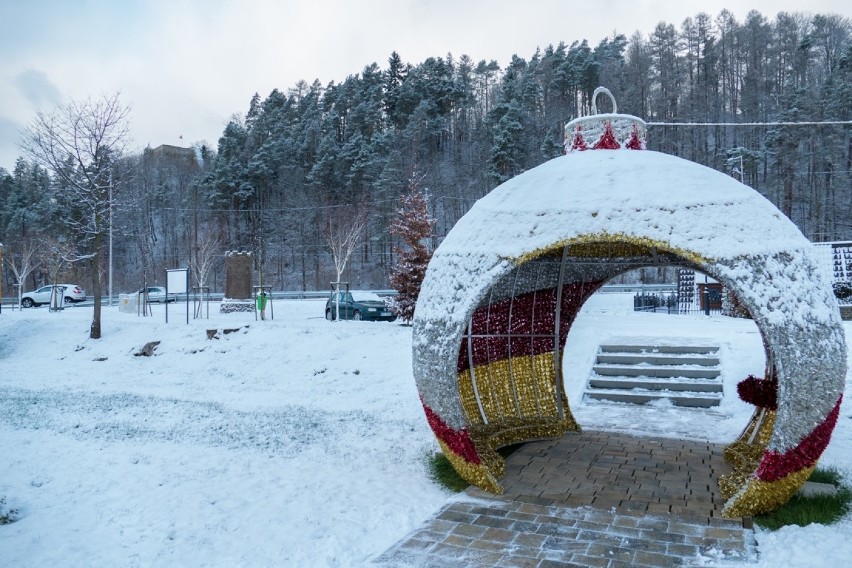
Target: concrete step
{"points": [[668, 371], [683, 349], [628, 383], [698, 401], [658, 359]]}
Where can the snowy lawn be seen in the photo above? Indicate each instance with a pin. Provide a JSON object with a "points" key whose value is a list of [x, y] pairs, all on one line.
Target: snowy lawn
{"points": [[292, 442]]}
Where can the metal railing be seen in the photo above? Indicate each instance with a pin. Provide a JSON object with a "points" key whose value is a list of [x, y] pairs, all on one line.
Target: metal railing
{"points": [[671, 303]]}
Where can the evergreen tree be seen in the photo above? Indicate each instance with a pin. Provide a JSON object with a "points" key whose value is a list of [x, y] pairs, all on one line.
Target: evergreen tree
{"points": [[414, 226]]}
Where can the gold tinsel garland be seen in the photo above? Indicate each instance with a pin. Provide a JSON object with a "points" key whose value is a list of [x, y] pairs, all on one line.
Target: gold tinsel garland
{"points": [[745, 453], [759, 496], [604, 244]]}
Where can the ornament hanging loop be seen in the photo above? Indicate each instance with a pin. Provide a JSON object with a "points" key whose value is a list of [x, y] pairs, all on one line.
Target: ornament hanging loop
{"points": [[605, 91]]}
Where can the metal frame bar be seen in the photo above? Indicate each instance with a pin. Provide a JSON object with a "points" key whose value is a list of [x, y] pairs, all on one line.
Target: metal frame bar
{"points": [[557, 359], [472, 372]]}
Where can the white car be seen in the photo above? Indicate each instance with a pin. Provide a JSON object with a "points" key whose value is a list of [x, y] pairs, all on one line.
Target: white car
{"points": [[71, 293]]}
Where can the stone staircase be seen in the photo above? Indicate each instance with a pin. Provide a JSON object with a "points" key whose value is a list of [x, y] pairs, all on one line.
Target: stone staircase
{"points": [[685, 375]]}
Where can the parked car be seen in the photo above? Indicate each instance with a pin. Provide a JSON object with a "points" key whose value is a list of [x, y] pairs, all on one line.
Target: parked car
{"points": [[71, 293], [157, 295], [357, 305]]}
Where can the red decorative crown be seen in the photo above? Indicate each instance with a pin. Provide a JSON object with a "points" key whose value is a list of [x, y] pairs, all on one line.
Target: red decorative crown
{"points": [[605, 131]]}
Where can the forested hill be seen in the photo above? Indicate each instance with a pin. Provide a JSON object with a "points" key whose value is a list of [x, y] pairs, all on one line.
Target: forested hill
{"points": [[303, 160]]}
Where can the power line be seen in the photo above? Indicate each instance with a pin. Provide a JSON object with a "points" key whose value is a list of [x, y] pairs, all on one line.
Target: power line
{"points": [[820, 123]]}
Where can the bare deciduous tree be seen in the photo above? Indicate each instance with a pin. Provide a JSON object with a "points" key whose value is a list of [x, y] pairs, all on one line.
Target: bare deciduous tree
{"points": [[208, 253], [344, 230], [79, 143], [22, 263]]}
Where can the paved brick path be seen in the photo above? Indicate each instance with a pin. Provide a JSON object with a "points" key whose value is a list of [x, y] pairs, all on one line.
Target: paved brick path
{"points": [[591, 499]]}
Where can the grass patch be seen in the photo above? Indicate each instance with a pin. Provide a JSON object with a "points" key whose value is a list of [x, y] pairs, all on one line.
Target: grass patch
{"points": [[803, 511], [827, 475], [441, 470]]}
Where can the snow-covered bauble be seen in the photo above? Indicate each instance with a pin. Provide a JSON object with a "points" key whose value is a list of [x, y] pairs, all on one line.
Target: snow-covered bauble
{"points": [[505, 285]]}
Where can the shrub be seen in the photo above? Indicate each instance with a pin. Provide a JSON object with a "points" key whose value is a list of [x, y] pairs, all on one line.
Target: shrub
{"points": [[843, 291], [6, 515]]}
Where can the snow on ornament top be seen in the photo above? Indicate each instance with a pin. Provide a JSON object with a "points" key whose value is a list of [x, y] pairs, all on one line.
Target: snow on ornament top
{"points": [[605, 131]]}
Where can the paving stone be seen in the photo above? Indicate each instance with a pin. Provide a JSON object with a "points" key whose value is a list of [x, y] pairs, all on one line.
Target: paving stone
{"points": [[636, 504], [473, 531], [509, 561], [721, 533], [489, 511], [465, 556], [417, 544], [591, 561], [590, 526], [624, 521], [558, 530], [441, 526], [656, 508], [494, 522], [564, 521], [685, 528], [591, 499], [456, 516], [614, 555], [661, 536], [457, 540], [558, 545], [548, 563], [649, 546], [625, 532], [619, 564], [653, 524], [654, 559], [498, 535], [530, 540], [682, 550]]}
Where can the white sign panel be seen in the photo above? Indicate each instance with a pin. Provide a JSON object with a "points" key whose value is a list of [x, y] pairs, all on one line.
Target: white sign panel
{"points": [[176, 280]]}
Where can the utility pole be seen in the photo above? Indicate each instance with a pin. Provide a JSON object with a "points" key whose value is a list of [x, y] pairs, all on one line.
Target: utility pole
{"points": [[110, 239]]}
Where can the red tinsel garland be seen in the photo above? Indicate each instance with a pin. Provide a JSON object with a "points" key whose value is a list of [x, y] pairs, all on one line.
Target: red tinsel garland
{"points": [[634, 143], [762, 393], [458, 441], [578, 143], [777, 465], [607, 141]]}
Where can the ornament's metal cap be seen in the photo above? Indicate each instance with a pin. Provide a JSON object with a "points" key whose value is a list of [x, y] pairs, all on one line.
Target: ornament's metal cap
{"points": [[605, 131]]}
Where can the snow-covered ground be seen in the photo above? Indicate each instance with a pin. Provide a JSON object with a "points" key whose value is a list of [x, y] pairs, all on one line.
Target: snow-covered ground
{"points": [[291, 442]]}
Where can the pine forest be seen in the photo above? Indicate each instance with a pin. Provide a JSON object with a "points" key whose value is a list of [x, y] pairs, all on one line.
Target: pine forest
{"points": [[303, 167]]}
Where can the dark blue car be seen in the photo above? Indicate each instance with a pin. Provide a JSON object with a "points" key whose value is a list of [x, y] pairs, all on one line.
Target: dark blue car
{"points": [[357, 305]]}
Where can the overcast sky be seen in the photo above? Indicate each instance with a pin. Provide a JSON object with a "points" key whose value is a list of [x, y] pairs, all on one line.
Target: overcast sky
{"points": [[186, 66]]}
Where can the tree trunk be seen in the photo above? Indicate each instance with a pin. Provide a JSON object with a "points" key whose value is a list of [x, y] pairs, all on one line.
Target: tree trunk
{"points": [[95, 330]]}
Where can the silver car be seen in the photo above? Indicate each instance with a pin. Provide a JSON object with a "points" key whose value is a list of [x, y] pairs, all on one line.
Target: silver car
{"points": [[157, 295]]}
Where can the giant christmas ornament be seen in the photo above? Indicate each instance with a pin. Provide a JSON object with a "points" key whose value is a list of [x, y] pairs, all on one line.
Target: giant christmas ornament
{"points": [[504, 287]]}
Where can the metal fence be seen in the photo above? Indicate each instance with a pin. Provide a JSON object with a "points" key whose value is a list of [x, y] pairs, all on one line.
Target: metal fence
{"points": [[672, 303]]}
